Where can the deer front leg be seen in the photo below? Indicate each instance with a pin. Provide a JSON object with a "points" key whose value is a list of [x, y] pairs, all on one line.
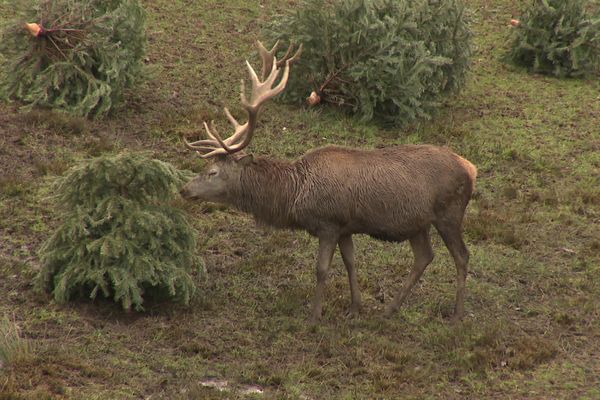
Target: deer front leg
{"points": [[326, 248], [347, 250]]}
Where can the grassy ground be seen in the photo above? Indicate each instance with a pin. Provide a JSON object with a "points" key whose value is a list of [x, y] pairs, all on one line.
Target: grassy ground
{"points": [[533, 228]]}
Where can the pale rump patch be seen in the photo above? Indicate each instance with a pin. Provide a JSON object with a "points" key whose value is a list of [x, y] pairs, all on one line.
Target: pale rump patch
{"points": [[471, 169]]}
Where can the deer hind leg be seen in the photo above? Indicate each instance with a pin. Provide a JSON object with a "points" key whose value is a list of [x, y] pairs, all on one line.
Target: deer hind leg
{"points": [[347, 249], [421, 247], [326, 248], [451, 233]]}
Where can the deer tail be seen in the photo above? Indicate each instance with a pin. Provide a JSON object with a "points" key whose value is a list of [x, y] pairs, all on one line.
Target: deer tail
{"points": [[470, 168]]}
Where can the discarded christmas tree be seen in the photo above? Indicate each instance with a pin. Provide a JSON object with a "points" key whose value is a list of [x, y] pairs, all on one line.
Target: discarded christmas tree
{"points": [[389, 60], [119, 236], [557, 37], [75, 56]]}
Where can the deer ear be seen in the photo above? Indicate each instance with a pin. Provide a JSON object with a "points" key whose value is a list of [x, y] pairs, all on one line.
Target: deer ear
{"points": [[245, 159]]}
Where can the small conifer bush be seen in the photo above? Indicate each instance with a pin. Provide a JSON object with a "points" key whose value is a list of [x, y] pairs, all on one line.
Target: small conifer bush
{"points": [[74, 56], [558, 37], [389, 60], [119, 236]]}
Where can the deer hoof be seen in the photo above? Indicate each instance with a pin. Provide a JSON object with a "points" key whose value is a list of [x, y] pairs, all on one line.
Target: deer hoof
{"points": [[314, 319], [353, 311], [389, 311], [456, 318]]}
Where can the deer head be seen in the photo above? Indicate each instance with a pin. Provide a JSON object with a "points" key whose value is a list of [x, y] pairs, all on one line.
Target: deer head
{"points": [[218, 181]]}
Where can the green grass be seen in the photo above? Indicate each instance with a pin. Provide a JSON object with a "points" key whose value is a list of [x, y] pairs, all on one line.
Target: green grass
{"points": [[533, 229], [13, 348]]}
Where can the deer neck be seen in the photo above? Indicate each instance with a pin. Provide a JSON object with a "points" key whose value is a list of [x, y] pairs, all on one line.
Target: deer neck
{"points": [[268, 188]]}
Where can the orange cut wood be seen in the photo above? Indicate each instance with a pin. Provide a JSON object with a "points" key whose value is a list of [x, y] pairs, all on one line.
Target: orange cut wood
{"points": [[33, 28], [313, 99]]}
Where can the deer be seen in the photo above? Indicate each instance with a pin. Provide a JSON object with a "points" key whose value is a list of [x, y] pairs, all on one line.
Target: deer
{"points": [[393, 193]]}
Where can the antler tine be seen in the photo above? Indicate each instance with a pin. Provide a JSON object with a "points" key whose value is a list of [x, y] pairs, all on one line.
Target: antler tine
{"points": [[201, 142], [212, 133], [240, 130], [214, 152], [253, 77], [208, 132], [197, 145], [270, 80], [286, 57], [215, 145], [267, 57], [205, 151], [231, 119], [281, 85]]}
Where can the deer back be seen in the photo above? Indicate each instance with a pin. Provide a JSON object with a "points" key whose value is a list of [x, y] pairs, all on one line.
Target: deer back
{"points": [[397, 189]]}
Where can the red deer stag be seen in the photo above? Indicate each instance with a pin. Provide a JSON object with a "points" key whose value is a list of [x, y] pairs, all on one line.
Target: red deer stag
{"points": [[393, 194]]}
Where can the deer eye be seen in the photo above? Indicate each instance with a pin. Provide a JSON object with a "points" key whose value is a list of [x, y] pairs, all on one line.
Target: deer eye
{"points": [[212, 173]]}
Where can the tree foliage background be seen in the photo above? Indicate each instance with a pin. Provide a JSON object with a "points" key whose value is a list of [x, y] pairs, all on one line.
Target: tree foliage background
{"points": [[557, 37], [82, 61], [380, 59], [119, 235]]}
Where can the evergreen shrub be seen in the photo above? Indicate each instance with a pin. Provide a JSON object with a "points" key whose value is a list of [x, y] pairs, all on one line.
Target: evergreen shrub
{"points": [[558, 37], [119, 235], [75, 56], [389, 60]]}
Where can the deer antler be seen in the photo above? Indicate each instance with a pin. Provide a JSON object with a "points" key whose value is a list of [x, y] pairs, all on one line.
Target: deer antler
{"points": [[269, 55], [262, 90]]}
